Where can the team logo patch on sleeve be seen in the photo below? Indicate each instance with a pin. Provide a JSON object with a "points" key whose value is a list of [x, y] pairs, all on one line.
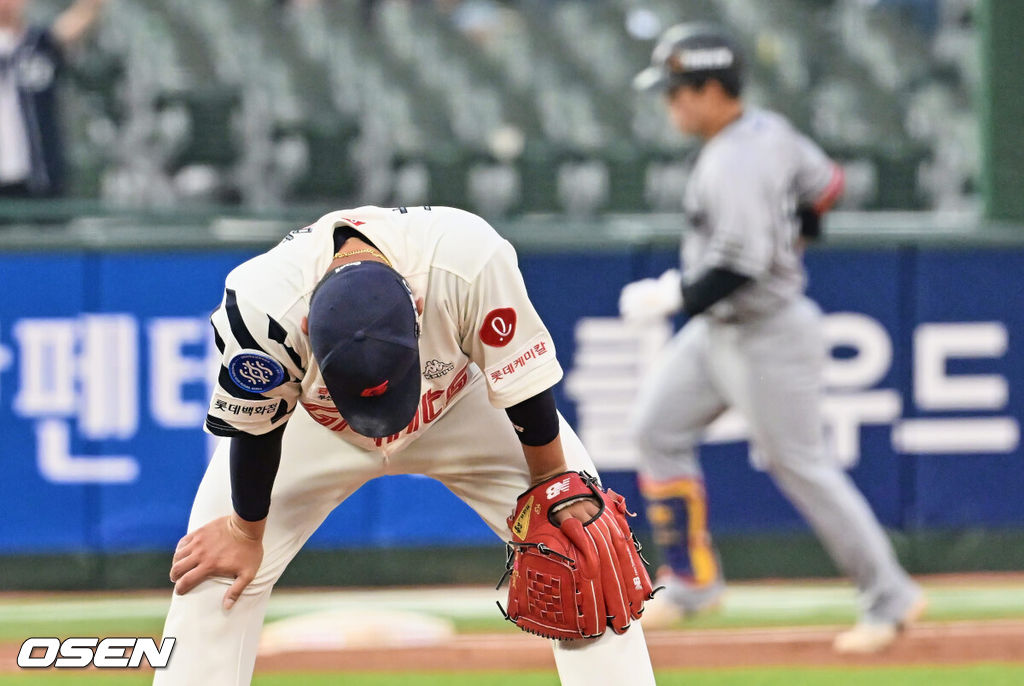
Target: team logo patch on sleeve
{"points": [[499, 327], [255, 371]]}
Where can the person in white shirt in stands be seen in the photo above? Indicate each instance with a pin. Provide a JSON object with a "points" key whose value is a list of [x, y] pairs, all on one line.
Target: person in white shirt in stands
{"points": [[31, 61]]}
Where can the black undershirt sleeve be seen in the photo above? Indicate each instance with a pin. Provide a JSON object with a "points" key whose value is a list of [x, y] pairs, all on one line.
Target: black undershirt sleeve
{"points": [[535, 419], [254, 462], [810, 222], [255, 459], [714, 285]]}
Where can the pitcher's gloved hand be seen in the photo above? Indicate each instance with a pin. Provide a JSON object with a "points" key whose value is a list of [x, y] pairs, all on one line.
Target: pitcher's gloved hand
{"points": [[573, 579]]}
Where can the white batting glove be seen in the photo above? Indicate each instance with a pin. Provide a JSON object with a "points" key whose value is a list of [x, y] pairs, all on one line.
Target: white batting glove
{"points": [[649, 300]]}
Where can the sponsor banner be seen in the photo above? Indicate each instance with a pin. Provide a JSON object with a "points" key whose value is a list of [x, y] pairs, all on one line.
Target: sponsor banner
{"points": [[106, 362], [920, 402]]}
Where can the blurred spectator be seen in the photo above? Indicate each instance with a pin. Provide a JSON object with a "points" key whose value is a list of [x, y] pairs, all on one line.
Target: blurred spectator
{"points": [[31, 60], [296, 3], [368, 13], [924, 14], [478, 20]]}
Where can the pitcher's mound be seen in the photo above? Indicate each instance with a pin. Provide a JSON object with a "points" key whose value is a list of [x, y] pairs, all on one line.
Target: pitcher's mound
{"points": [[339, 629]]}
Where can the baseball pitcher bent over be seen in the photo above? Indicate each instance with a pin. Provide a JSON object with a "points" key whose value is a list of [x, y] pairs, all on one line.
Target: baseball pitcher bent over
{"points": [[396, 341]]}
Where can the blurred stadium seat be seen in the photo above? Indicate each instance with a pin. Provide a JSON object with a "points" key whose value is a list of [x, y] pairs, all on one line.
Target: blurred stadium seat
{"points": [[262, 103]]}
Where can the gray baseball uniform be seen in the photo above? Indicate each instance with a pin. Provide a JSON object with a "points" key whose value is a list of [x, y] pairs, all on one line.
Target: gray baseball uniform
{"points": [[761, 351]]}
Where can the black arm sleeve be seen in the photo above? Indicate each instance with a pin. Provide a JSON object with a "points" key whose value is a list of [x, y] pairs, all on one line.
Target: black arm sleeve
{"points": [[535, 419], [810, 222], [254, 462], [716, 284]]}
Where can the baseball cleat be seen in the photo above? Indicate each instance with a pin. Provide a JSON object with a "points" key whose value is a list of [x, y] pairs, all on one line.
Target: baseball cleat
{"points": [[866, 638]]}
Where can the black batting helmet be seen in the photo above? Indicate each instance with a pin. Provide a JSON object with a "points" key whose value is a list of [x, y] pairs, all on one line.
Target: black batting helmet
{"points": [[690, 54]]}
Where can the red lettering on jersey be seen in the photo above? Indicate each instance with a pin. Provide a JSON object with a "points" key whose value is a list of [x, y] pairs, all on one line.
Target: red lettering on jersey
{"points": [[414, 424], [327, 416], [432, 404], [499, 327], [353, 222], [457, 384], [430, 413]]}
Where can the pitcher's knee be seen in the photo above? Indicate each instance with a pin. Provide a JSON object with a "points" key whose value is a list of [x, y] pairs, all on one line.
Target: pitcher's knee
{"points": [[263, 583]]}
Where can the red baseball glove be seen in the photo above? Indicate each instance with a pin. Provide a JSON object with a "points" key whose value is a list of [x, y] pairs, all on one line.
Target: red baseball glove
{"points": [[571, 581]]}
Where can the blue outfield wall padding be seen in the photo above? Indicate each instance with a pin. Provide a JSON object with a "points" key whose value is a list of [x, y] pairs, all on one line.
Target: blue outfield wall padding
{"points": [[868, 283], [104, 360], [171, 297], [37, 514], [978, 295], [564, 288], [406, 510]]}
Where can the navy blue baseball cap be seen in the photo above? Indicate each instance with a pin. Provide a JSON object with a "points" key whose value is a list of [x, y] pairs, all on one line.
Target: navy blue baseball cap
{"points": [[364, 332]]}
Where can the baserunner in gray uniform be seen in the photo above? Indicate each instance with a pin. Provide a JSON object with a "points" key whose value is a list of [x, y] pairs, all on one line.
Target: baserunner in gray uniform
{"points": [[753, 341]]}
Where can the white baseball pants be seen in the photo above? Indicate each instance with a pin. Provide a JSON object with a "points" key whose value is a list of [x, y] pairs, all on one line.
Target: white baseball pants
{"points": [[472, 449]]}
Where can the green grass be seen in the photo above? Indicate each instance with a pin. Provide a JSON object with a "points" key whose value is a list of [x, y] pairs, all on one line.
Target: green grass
{"points": [[973, 675], [123, 626], [745, 605]]}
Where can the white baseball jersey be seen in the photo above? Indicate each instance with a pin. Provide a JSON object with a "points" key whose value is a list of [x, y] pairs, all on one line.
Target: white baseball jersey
{"points": [[482, 348], [476, 316], [741, 201]]}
